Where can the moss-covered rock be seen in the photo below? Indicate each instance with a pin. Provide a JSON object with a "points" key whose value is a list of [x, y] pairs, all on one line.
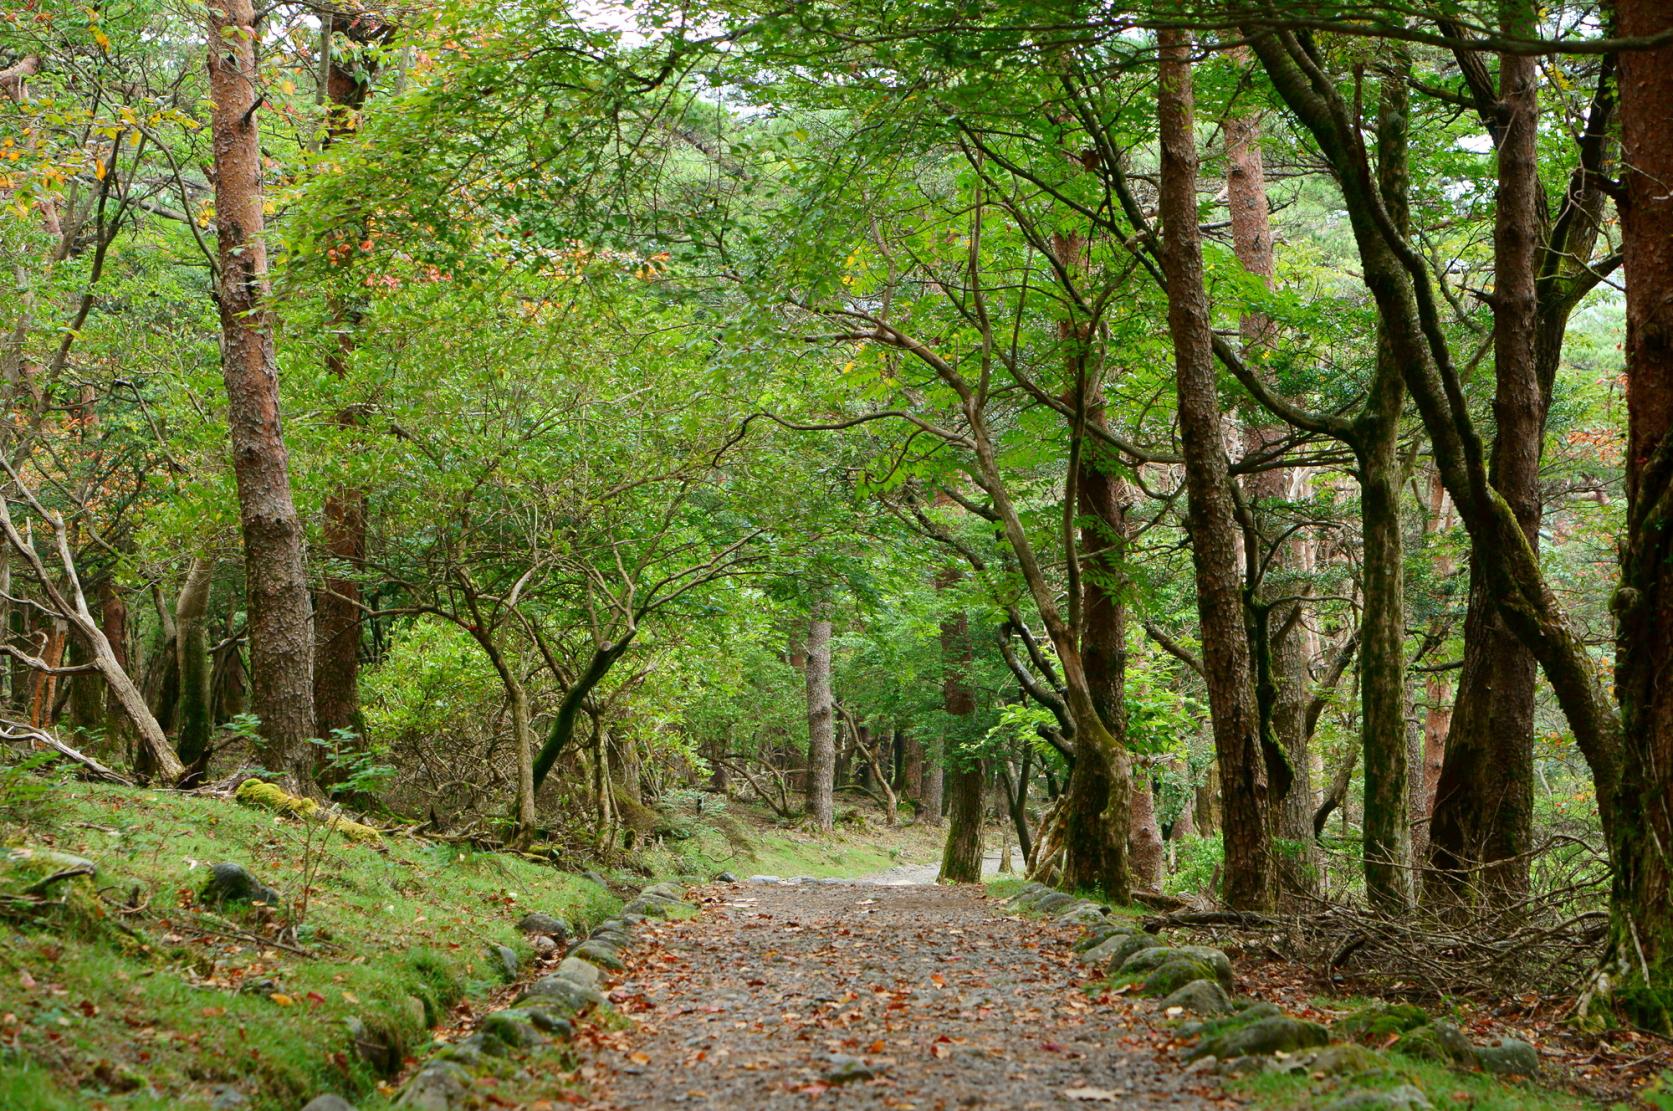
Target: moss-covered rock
{"points": [[1510, 1057], [1174, 974], [1377, 1022], [1402, 1098], [1199, 997], [1277, 1034], [1144, 960], [1438, 1041], [1114, 952]]}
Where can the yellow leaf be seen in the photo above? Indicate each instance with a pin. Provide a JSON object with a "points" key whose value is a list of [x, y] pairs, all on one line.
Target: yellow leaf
{"points": [[287, 86], [102, 39], [99, 168], [281, 999]]}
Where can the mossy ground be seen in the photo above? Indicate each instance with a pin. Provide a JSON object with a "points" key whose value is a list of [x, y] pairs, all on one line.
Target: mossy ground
{"points": [[131, 996], [1445, 1088]]}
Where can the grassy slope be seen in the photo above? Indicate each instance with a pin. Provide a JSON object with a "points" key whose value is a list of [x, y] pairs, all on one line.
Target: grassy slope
{"points": [[100, 1007]]}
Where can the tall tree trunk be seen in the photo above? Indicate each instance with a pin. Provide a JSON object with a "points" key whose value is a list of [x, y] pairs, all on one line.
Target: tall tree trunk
{"points": [[280, 622], [935, 778], [1097, 819], [1641, 944], [961, 857], [1382, 631], [1252, 243], [821, 720], [1243, 777], [1483, 808], [348, 82], [191, 632]]}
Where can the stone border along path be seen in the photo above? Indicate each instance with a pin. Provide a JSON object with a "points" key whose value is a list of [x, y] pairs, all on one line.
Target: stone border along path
{"points": [[1258, 1037], [545, 1010]]}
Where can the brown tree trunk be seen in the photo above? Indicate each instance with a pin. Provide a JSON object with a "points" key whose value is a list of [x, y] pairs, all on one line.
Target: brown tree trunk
{"points": [[1249, 865], [961, 857], [1483, 808], [191, 632], [1641, 945], [280, 622], [348, 81], [1252, 243], [821, 720], [935, 778], [1145, 852]]}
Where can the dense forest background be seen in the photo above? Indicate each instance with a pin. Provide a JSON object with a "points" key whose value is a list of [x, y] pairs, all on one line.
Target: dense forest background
{"points": [[1219, 448]]}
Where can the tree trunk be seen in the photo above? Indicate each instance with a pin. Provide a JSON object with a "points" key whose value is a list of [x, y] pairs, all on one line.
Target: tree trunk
{"points": [[280, 624], [961, 858], [912, 772], [191, 633], [1483, 808], [337, 615], [1249, 865], [1144, 836], [935, 777], [1252, 243], [1641, 945], [821, 720]]}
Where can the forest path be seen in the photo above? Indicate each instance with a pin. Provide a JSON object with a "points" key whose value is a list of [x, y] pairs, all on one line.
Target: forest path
{"points": [[868, 995]]}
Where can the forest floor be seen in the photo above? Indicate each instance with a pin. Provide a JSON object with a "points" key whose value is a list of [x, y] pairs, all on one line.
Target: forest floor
{"points": [[901, 996]]}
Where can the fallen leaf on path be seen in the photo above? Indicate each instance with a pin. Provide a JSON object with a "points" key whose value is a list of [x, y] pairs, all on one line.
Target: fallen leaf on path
{"points": [[1091, 1095]]}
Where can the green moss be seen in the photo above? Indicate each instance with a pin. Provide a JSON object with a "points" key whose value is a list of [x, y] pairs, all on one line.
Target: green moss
{"points": [[151, 1011], [1377, 1022], [1447, 1089]]}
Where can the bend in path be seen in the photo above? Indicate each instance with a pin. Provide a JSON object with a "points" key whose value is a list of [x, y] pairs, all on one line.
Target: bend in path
{"points": [[775, 991]]}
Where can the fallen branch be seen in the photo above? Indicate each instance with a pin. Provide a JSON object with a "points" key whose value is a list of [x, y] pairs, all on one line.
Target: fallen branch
{"points": [[17, 731]]}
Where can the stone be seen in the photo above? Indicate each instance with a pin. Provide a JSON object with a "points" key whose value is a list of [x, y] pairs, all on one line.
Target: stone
{"points": [[1276, 1034], [844, 1069], [1199, 997], [438, 1086], [1338, 1060], [561, 994], [511, 1027], [1510, 1057], [582, 972], [233, 883], [545, 925], [764, 879], [1114, 952], [598, 878], [227, 1099], [726, 877], [510, 963], [650, 908], [1086, 914], [376, 1047], [600, 953], [543, 944], [666, 890], [1100, 932], [328, 1102], [1439, 1041], [1377, 1022], [1144, 960], [1175, 974], [1053, 901], [546, 1022], [1257, 1009], [416, 1011], [1403, 1098]]}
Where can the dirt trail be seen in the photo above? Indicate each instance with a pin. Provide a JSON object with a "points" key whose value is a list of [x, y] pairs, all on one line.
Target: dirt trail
{"points": [[777, 994]]}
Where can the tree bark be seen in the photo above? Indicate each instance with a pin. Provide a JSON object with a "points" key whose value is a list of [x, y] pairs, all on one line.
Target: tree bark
{"points": [[935, 778], [280, 622], [1144, 837], [1382, 631], [961, 857], [821, 720], [1214, 552], [1483, 808], [1246, 199], [1641, 944], [191, 643]]}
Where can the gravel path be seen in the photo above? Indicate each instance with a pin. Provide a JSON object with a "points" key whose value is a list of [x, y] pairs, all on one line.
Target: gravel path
{"points": [[870, 995]]}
